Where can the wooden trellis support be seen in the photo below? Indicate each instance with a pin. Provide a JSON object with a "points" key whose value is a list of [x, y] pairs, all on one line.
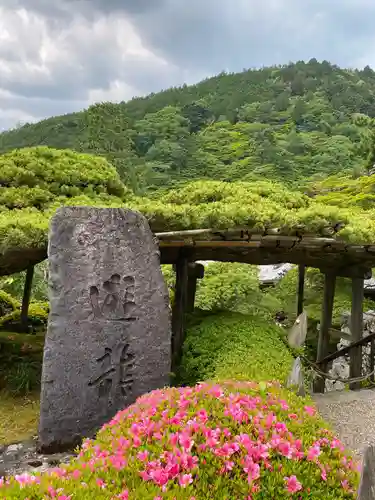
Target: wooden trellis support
{"points": [[179, 309], [356, 328], [301, 288], [26, 299], [195, 273], [325, 325], [357, 275], [187, 274]]}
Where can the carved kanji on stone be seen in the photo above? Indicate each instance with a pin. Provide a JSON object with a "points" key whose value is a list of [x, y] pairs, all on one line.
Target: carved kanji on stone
{"points": [[116, 299], [115, 371]]}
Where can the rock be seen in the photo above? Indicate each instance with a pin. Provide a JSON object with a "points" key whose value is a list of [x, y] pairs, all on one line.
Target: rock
{"points": [[295, 378], [298, 332], [13, 448], [35, 463], [340, 366], [109, 333]]}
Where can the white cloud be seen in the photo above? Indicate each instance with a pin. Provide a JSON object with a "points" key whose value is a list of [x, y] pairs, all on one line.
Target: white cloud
{"points": [[59, 56], [83, 62]]}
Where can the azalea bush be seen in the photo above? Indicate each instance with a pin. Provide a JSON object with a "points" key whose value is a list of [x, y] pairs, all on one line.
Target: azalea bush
{"points": [[236, 440]]}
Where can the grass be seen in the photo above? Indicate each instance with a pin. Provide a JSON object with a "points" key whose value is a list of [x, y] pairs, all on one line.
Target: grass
{"points": [[36, 342], [18, 417]]}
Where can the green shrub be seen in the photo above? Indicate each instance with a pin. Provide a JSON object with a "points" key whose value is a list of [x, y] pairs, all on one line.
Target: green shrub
{"points": [[7, 304], [32, 177], [229, 345], [37, 317], [231, 287], [228, 286], [14, 284], [234, 440]]}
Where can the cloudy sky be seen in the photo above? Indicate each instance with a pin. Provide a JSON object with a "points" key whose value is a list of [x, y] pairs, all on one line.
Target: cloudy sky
{"points": [[58, 56]]}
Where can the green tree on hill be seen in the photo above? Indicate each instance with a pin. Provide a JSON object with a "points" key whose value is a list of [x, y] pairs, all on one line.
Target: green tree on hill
{"points": [[177, 135]]}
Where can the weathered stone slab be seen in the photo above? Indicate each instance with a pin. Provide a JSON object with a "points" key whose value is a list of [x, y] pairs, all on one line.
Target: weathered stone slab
{"points": [[298, 332], [109, 333]]}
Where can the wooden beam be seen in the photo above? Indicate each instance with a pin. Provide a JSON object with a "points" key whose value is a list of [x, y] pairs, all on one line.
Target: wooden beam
{"points": [[350, 272], [356, 328], [195, 272], [179, 310], [339, 263], [24, 327], [301, 288], [325, 325]]}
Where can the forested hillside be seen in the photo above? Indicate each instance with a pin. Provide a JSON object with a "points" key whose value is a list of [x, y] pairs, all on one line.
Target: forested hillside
{"points": [[284, 123]]}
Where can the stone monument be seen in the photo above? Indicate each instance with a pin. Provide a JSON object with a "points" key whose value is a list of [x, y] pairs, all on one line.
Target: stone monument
{"points": [[109, 333]]}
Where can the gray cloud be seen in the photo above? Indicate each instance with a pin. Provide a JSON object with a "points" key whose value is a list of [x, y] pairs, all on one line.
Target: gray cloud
{"points": [[56, 57], [237, 34]]}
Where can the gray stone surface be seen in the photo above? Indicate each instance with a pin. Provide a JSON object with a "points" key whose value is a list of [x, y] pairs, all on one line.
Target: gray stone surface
{"points": [[19, 458], [352, 415], [109, 334]]}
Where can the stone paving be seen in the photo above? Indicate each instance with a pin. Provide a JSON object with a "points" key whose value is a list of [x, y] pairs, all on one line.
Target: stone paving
{"points": [[352, 415], [22, 457]]}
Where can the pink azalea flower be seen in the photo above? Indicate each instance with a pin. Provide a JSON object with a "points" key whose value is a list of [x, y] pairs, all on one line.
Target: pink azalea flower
{"points": [[142, 455], [345, 484], [310, 410], [25, 479], [100, 483], [292, 484], [185, 479], [313, 453]]}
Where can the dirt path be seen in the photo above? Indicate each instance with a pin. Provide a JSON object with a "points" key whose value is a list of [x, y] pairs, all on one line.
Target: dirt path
{"points": [[352, 415]]}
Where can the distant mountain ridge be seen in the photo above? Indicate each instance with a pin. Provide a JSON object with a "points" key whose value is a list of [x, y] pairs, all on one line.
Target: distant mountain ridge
{"points": [[285, 123]]}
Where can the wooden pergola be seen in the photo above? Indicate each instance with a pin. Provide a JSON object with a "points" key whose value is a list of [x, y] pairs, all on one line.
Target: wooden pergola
{"points": [[331, 255]]}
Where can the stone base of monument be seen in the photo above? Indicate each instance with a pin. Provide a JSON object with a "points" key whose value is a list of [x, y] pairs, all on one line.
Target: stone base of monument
{"points": [[18, 458]]}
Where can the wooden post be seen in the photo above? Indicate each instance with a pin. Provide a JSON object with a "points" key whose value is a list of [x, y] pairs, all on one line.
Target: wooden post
{"points": [[356, 328], [26, 299], [195, 273], [301, 288], [325, 325], [179, 310]]}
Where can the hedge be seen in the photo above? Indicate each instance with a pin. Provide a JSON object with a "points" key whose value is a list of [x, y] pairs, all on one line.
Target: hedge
{"points": [[25, 211], [234, 346]]}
